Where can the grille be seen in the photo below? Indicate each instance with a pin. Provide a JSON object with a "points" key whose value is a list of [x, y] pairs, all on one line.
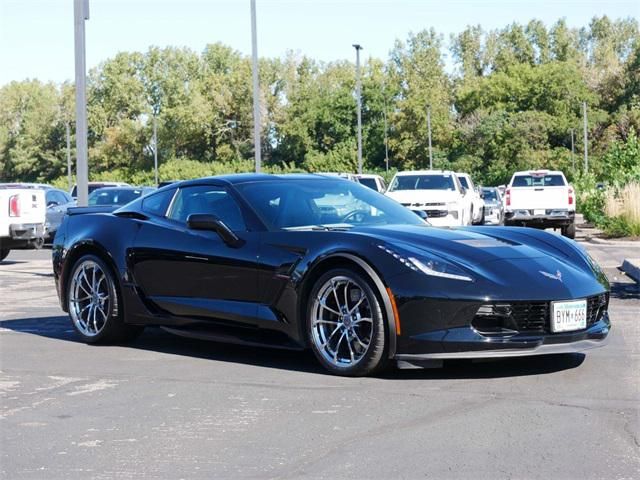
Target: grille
{"points": [[437, 213], [529, 317]]}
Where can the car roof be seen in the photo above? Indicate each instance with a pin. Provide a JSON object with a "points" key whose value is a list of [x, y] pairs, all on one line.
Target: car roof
{"points": [[239, 178], [368, 175], [542, 171], [425, 172]]}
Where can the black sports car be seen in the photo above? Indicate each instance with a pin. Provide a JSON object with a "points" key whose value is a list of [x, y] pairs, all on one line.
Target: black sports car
{"points": [[306, 261]]}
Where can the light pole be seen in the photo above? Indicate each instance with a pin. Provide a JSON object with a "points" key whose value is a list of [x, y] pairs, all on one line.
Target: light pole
{"points": [[573, 151], [155, 147], [586, 140], [256, 88], [359, 100], [69, 154], [386, 139], [429, 132], [80, 14]]}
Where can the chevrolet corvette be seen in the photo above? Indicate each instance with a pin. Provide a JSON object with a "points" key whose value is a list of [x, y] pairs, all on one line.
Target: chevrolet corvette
{"points": [[307, 261]]}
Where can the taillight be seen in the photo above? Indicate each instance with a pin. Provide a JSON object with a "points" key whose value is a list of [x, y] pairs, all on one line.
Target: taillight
{"points": [[571, 196], [14, 206], [508, 197]]}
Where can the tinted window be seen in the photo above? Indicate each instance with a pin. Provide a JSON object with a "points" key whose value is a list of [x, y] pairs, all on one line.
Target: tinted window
{"points": [[369, 182], [207, 199], [158, 203], [423, 182], [304, 203], [463, 182], [114, 196], [538, 181], [56, 196], [490, 195]]}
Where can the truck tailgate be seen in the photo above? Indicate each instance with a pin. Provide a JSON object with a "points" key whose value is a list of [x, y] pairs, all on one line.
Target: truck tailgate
{"points": [[30, 205], [530, 198]]}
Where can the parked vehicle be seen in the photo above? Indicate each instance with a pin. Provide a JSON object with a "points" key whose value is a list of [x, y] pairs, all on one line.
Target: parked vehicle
{"points": [[375, 182], [57, 202], [254, 259], [541, 199], [493, 206], [473, 192], [22, 218], [96, 185], [117, 195], [437, 193], [345, 175]]}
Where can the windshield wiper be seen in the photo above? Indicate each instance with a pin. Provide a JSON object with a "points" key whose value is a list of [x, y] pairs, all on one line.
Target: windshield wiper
{"points": [[327, 227]]}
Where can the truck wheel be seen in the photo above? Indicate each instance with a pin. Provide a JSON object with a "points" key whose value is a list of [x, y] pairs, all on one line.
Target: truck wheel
{"points": [[569, 231], [4, 252]]}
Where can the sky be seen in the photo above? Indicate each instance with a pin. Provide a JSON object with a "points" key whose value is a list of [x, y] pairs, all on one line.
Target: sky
{"points": [[36, 36]]}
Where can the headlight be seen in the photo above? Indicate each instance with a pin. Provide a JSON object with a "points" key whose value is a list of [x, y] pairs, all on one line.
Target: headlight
{"points": [[429, 265], [452, 206]]}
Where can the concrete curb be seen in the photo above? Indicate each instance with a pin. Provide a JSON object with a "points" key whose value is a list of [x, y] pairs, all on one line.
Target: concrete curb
{"points": [[617, 243], [631, 266]]}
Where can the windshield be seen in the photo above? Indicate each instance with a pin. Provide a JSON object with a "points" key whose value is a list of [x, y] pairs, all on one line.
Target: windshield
{"points": [[323, 203], [538, 181], [490, 195], [422, 182], [113, 196]]}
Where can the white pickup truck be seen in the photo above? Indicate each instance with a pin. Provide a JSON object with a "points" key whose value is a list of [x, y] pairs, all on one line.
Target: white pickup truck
{"points": [[542, 199], [22, 217]]}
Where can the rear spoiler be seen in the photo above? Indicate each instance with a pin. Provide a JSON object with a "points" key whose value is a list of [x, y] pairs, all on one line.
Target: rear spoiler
{"points": [[93, 209]]}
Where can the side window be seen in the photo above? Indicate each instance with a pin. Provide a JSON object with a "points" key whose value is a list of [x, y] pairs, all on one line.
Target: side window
{"points": [[158, 203], [207, 199]]}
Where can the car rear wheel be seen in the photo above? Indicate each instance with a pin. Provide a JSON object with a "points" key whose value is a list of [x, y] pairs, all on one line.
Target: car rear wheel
{"points": [[4, 252], [94, 303], [345, 324]]}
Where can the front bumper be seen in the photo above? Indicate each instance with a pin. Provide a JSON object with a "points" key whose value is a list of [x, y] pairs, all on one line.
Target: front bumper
{"points": [[598, 337]]}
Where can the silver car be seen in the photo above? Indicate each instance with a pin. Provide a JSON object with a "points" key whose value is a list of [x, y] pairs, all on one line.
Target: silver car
{"points": [[493, 206]]}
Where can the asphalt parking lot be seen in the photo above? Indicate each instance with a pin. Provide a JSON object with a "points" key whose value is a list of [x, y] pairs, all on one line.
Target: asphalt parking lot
{"points": [[167, 407]]}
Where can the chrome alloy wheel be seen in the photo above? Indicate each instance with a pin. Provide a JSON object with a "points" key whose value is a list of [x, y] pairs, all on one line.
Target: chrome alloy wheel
{"points": [[91, 298], [342, 321]]}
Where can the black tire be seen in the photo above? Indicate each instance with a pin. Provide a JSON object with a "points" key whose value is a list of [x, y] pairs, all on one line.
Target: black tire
{"points": [[113, 328], [371, 359], [481, 220], [569, 231], [4, 252]]}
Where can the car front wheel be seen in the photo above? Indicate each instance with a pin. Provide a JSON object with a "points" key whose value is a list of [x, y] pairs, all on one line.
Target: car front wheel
{"points": [[345, 324], [94, 303]]}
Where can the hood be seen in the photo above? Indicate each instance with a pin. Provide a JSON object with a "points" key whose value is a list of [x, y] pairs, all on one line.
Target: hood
{"points": [[423, 196], [463, 246]]}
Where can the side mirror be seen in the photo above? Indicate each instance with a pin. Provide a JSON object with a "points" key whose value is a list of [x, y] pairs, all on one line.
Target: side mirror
{"points": [[464, 191], [52, 203], [204, 221]]}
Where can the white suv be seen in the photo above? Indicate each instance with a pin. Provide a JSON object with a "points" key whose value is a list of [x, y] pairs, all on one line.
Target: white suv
{"points": [[438, 193], [474, 197]]}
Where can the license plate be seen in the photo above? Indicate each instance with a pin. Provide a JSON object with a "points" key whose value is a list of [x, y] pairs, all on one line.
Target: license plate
{"points": [[568, 316], [539, 212]]}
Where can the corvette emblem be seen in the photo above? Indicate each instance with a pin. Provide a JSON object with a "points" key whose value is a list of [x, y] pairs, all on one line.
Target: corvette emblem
{"points": [[557, 276]]}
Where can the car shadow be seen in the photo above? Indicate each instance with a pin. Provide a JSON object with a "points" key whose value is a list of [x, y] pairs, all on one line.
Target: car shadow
{"points": [[157, 340], [12, 262]]}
